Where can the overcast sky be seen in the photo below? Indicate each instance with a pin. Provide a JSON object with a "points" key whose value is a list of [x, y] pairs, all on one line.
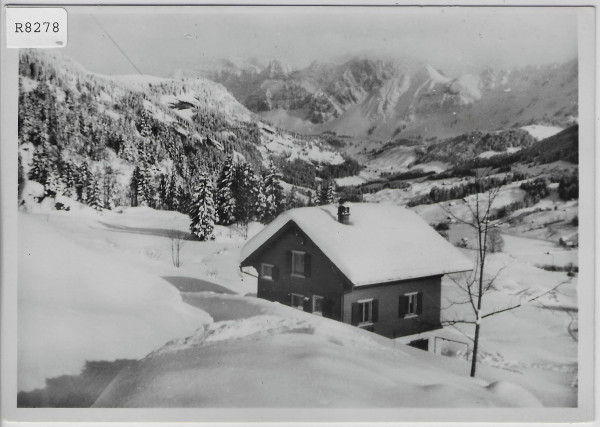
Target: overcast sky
{"points": [[159, 40]]}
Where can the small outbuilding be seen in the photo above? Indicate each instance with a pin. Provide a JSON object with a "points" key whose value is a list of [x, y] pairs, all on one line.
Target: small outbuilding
{"points": [[375, 266]]}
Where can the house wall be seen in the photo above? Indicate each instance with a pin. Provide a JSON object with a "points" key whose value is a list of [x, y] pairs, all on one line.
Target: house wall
{"points": [[389, 323], [324, 279]]}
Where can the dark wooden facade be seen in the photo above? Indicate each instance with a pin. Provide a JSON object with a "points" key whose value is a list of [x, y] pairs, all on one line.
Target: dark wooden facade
{"points": [[388, 303]]}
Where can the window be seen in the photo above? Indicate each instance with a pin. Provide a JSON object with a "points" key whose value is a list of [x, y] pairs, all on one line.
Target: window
{"points": [[365, 312], [317, 305], [299, 264], [267, 271], [411, 304], [298, 301]]}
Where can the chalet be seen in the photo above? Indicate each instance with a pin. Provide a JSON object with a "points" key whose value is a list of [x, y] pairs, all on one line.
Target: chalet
{"points": [[375, 266]]}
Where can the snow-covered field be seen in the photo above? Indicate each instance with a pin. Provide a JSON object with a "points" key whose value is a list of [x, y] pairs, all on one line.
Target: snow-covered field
{"points": [[103, 286], [542, 131]]}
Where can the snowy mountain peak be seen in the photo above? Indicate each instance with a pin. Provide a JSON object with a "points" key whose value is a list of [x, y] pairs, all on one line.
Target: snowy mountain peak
{"points": [[277, 70], [436, 75]]}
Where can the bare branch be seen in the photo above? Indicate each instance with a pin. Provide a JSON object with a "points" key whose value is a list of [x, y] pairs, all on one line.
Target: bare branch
{"points": [[527, 301]]}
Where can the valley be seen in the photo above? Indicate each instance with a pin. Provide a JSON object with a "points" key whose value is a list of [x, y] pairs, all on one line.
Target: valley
{"points": [[164, 179]]}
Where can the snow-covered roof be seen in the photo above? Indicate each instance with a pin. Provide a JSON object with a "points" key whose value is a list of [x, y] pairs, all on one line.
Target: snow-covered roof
{"points": [[382, 243]]}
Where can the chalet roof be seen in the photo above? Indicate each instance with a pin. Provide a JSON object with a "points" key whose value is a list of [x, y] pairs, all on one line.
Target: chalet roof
{"points": [[382, 243]]}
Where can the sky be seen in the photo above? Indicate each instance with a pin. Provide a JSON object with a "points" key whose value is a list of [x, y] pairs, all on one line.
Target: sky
{"points": [[160, 40]]}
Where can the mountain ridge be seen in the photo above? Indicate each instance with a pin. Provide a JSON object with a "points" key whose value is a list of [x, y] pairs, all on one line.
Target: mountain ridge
{"points": [[382, 99]]}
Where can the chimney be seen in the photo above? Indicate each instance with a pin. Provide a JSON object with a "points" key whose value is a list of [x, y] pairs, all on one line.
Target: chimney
{"points": [[343, 213]]}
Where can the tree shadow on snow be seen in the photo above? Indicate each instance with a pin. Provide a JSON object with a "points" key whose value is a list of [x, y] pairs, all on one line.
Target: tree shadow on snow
{"points": [[74, 391], [160, 232], [191, 284]]}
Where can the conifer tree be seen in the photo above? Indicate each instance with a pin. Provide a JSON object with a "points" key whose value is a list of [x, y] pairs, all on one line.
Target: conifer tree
{"points": [[174, 194], [317, 196], [292, 201], [93, 194], [54, 184], [163, 192], [69, 178], [225, 197], [326, 195], [40, 165], [203, 214], [109, 182], [260, 208], [329, 194], [273, 195], [133, 186], [246, 189], [83, 179]]}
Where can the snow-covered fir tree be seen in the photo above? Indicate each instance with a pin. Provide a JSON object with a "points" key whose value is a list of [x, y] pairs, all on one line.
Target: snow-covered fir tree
{"points": [[54, 184], [203, 214], [327, 196], [82, 181], [93, 198], [41, 165], [225, 197], [145, 187], [246, 188], [69, 178], [292, 201], [133, 186], [273, 195], [163, 191], [174, 194], [109, 184], [260, 201], [317, 196]]}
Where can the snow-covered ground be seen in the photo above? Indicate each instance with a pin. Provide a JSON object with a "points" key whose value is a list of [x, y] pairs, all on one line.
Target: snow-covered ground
{"points": [[542, 131], [275, 356], [108, 284]]}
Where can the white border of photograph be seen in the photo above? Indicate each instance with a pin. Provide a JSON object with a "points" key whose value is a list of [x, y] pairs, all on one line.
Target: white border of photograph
{"points": [[8, 272]]}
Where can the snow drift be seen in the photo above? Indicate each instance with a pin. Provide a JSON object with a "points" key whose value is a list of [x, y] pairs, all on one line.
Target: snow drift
{"points": [[288, 358], [76, 304]]}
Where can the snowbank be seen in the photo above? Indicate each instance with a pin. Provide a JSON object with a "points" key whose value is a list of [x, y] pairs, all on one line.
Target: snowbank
{"points": [[288, 358], [76, 304]]}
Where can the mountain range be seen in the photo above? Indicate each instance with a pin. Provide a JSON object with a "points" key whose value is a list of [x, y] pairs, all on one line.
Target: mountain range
{"points": [[380, 99]]}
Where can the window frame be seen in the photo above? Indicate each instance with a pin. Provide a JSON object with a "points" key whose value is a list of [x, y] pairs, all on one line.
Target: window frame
{"points": [[294, 273], [262, 271], [314, 301], [369, 321], [301, 299], [412, 297]]}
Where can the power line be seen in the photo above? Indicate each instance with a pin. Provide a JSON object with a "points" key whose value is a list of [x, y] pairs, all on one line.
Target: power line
{"points": [[117, 45]]}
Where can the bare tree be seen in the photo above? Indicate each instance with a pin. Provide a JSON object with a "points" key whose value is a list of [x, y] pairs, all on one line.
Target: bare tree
{"points": [[177, 240], [476, 284]]}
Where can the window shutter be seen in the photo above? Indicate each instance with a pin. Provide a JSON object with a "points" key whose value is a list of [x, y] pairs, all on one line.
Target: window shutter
{"points": [[307, 262], [402, 306], [419, 302], [327, 306], [308, 305], [288, 262], [355, 313], [275, 273], [375, 308]]}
